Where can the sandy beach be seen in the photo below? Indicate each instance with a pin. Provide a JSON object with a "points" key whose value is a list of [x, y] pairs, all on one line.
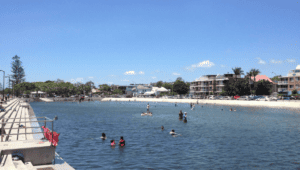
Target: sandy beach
{"points": [[289, 104]]}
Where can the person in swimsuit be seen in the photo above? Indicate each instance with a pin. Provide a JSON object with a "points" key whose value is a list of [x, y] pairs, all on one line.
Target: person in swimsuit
{"points": [[122, 141], [112, 143], [180, 114], [185, 117], [148, 106], [103, 136], [172, 132]]}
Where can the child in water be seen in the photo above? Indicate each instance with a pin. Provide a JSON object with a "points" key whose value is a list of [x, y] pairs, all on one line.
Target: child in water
{"points": [[122, 141], [112, 143]]}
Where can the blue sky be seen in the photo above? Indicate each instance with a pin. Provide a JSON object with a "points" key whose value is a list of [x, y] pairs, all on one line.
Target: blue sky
{"points": [[143, 41]]}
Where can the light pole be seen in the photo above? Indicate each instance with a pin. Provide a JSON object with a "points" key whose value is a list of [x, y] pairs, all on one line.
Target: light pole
{"points": [[3, 83]]}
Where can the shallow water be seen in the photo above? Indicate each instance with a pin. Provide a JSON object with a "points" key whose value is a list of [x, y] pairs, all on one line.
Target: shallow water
{"points": [[262, 138]]}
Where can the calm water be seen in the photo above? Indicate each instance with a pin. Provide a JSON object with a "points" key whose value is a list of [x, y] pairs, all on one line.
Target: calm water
{"points": [[250, 138]]}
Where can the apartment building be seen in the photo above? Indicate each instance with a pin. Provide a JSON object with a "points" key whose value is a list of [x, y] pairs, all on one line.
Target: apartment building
{"points": [[208, 84], [288, 83]]}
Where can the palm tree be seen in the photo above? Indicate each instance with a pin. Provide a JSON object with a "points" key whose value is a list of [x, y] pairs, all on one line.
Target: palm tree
{"points": [[249, 74], [255, 72], [237, 71]]}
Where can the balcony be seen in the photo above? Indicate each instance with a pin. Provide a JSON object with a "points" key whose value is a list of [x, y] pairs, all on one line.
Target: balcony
{"points": [[282, 82], [282, 90], [203, 90]]}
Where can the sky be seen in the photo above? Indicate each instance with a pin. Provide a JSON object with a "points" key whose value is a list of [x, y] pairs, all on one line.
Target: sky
{"points": [[143, 41]]}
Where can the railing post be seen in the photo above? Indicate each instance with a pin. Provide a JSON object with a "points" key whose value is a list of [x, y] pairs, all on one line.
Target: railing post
{"points": [[2, 130], [52, 134], [45, 122]]}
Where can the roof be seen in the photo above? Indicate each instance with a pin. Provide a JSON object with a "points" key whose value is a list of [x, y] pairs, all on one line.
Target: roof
{"points": [[142, 87], [261, 77]]}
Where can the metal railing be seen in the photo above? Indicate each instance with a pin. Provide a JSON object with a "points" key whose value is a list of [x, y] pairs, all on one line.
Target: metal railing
{"points": [[283, 82], [46, 119]]}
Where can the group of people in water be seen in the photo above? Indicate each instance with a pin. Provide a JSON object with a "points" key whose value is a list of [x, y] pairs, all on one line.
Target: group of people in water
{"points": [[112, 142], [183, 116]]}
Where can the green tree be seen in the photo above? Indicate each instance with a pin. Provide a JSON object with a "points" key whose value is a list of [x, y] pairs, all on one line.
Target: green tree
{"points": [[105, 87], [159, 84], [167, 85], [275, 78], [263, 87], [180, 87], [255, 72], [17, 70], [91, 84], [295, 91], [117, 91], [237, 71]]}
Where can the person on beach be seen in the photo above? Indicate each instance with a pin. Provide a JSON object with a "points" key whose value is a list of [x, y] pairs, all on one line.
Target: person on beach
{"points": [[103, 136], [122, 141], [112, 143], [180, 114], [148, 106]]}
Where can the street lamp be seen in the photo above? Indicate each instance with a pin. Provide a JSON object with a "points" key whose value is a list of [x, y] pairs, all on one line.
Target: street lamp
{"points": [[3, 82]]}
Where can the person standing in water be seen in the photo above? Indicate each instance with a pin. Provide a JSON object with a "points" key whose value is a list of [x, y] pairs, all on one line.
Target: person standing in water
{"points": [[180, 114], [148, 107], [122, 141], [185, 117]]}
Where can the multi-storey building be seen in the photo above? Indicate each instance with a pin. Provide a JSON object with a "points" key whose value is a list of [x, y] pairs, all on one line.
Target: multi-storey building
{"points": [[208, 84], [288, 83]]}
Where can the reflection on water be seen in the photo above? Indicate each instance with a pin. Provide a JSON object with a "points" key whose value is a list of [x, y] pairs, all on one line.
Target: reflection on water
{"points": [[250, 138]]}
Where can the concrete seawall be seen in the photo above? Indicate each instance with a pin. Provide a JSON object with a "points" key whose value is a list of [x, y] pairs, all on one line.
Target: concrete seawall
{"points": [[273, 104]]}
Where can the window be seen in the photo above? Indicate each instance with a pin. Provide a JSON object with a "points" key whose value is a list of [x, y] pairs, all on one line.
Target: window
{"points": [[291, 86], [291, 79]]}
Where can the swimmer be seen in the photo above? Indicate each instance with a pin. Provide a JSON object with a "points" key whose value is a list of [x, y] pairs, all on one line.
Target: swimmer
{"points": [[230, 109], [222, 109], [112, 143], [150, 114], [172, 132], [103, 136], [122, 141], [162, 128]]}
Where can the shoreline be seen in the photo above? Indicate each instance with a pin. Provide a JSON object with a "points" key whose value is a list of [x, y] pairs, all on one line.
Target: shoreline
{"points": [[272, 104]]}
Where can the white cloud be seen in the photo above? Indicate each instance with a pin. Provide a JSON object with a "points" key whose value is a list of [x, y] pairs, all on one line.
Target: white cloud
{"points": [[141, 72], [129, 73], [203, 64], [110, 82], [154, 77], [276, 61], [79, 80], [260, 61], [291, 60], [91, 77], [176, 74], [125, 80]]}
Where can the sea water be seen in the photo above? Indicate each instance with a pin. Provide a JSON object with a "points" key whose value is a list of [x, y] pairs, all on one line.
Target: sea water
{"points": [[249, 138]]}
